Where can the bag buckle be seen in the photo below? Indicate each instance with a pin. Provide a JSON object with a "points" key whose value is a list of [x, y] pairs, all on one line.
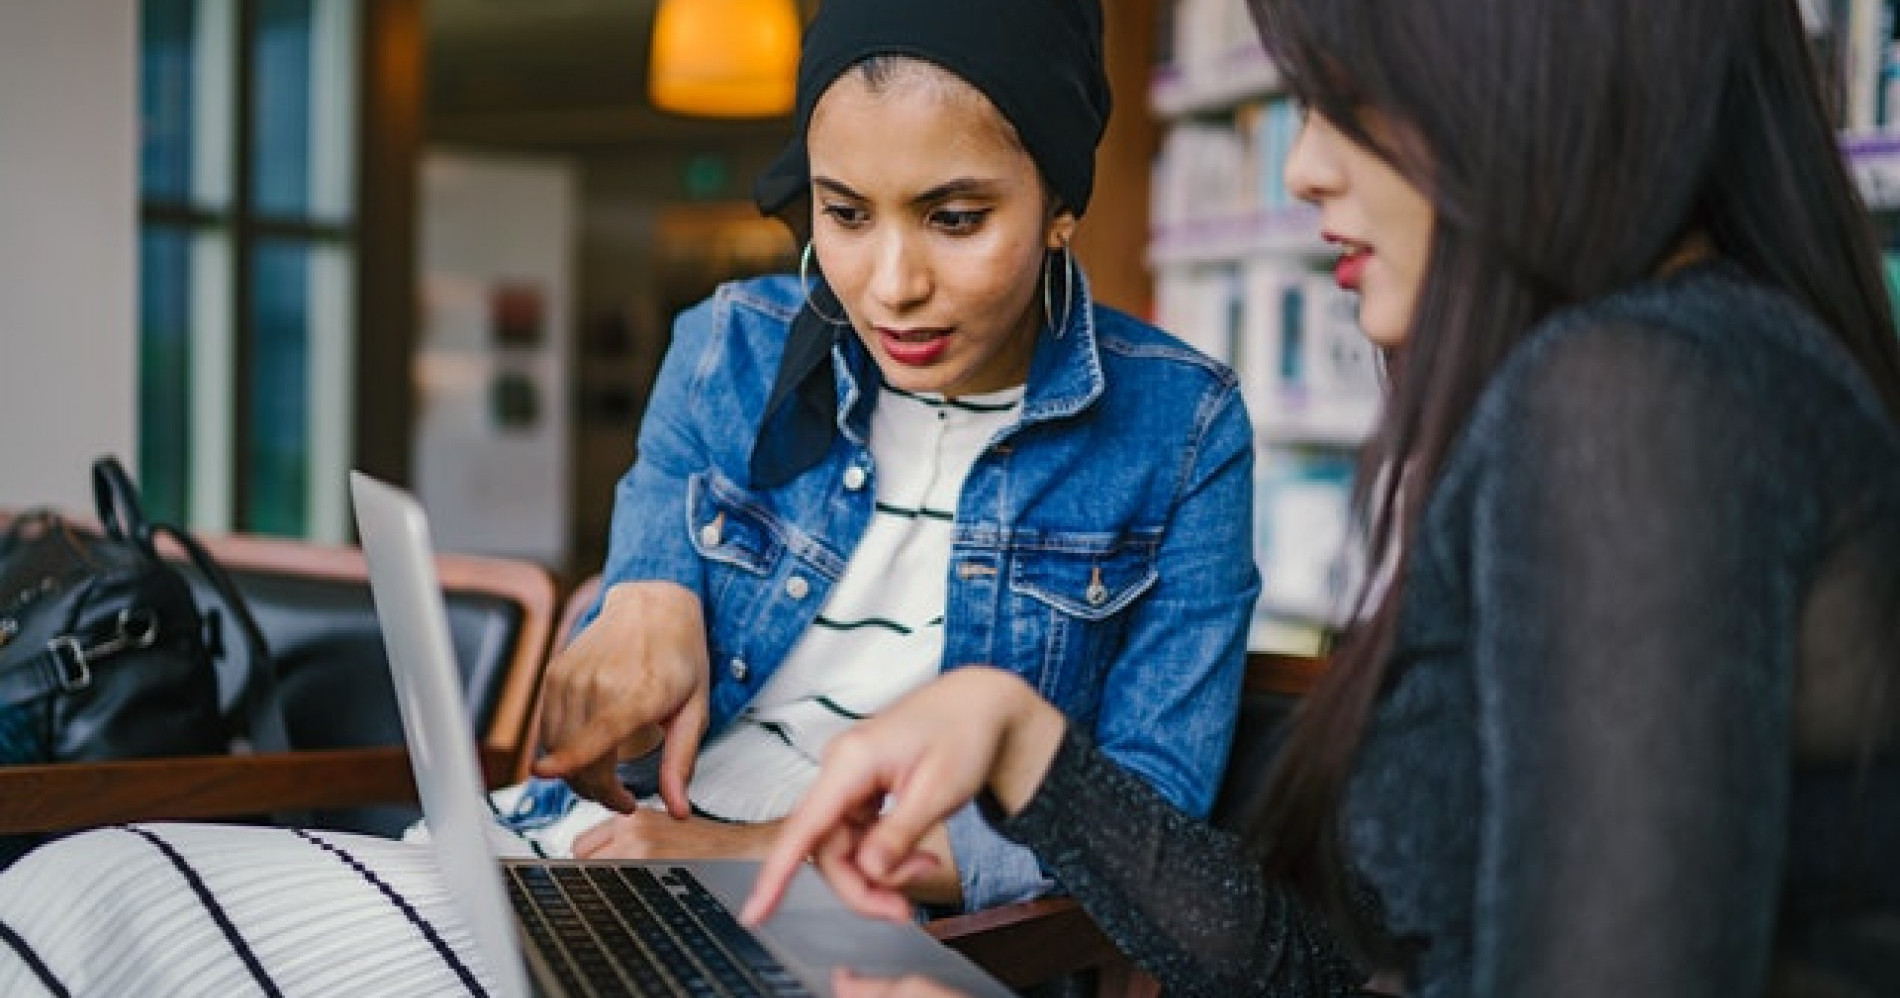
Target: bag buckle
{"points": [[69, 662], [137, 627]]}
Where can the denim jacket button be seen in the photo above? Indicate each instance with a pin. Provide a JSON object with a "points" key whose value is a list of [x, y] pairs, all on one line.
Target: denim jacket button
{"points": [[853, 478], [738, 669], [709, 535], [1097, 594], [796, 587]]}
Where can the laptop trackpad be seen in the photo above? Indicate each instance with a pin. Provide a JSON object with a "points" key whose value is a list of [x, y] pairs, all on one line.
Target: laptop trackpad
{"points": [[822, 941], [815, 931]]}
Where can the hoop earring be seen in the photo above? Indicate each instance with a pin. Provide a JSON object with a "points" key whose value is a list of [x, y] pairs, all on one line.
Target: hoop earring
{"points": [[1068, 289], [804, 281]]}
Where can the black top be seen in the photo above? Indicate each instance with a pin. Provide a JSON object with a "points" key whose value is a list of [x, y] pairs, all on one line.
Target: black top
{"points": [[1652, 621]]}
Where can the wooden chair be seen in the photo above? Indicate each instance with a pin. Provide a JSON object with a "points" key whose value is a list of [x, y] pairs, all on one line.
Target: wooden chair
{"points": [[574, 608], [314, 605]]}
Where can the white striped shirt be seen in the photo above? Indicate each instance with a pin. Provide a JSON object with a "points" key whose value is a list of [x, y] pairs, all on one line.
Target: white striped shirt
{"points": [[880, 632]]}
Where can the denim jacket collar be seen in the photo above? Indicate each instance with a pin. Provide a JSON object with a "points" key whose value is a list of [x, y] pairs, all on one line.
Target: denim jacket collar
{"points": [[1065, 372], [795, 430]]}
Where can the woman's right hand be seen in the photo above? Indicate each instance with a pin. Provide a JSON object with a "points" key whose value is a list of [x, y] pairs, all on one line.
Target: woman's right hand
{"points": [[641, 663], [850, 985], [929, 754]]}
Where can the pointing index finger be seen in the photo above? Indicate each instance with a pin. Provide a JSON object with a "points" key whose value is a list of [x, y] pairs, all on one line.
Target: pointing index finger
{"points": [[823, 813]]}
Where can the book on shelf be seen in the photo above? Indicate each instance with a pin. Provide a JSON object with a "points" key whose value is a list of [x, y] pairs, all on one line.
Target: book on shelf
{"points": [[1212, 45], [1224, 171], [1205, 307], [1868, 36], [1890, 266], [1164, 16], [1302, 517], [1208, 57], [1273, 141], [1203, 170], [1285, 636], [1857, 52], [1308, 372]]}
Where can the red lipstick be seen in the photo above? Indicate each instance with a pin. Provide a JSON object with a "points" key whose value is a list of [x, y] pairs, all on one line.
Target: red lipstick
{"points": [[914, 347], [1350, 268]]}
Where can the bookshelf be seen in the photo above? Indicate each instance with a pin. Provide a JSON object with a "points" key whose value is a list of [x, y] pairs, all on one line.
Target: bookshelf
{"points": [[1239, 272], [1282, 230], [1856, 44], [1232, 75], [1874, 159]]}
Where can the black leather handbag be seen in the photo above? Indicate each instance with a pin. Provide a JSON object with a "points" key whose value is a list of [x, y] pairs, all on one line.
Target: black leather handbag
{"points": [[104, 652]]}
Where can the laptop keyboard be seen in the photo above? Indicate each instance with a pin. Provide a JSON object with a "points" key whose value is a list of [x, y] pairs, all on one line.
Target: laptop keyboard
{"points": [[623, 930]]}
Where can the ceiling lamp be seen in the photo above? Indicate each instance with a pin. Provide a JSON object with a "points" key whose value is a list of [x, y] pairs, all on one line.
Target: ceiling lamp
{"points": [[724, 58]]}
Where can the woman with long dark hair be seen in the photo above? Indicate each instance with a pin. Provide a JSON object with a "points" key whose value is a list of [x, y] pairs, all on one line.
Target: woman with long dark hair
{"points": [[1617, 715]]}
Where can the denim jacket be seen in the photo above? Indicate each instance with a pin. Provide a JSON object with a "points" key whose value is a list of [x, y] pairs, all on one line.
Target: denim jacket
{"points": [[1102, 548]]}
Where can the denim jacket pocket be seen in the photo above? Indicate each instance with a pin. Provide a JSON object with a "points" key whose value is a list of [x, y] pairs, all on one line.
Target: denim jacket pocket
{"points": [[742, 543], [726, 525], [1083, 576], [1072, 594]]}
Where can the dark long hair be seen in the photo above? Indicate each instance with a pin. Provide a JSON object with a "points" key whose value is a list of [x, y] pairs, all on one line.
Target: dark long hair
{"points": [[1567, 148]]}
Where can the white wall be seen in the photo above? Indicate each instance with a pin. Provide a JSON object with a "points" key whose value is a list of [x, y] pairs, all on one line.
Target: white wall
{"points": [[68, 229], [493, 486]]}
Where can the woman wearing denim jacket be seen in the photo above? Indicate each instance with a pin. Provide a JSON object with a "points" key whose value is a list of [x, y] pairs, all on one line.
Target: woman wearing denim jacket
{"points": [[932, 427], [1100, 545]]}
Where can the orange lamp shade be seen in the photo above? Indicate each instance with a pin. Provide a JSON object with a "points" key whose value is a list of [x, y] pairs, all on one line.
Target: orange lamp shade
{"points": [[724, 58]]}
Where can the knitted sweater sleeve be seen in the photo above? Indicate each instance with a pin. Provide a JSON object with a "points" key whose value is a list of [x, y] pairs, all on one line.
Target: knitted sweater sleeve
{"points": [[1183, 899]]}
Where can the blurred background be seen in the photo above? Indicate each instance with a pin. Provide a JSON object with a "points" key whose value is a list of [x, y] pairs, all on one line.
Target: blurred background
{"points": [[248, 244]]}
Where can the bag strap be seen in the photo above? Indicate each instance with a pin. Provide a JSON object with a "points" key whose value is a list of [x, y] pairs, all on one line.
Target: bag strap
{"points": [[263, 712], [123, 517], [117, 499], [65, 664]]}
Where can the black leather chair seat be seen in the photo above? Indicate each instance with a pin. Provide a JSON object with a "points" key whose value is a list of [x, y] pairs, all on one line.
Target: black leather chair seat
{"points": [[333, 681]]}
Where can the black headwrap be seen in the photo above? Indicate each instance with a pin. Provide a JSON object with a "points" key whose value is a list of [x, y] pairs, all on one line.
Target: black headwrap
{"points": [[1040, 63]]}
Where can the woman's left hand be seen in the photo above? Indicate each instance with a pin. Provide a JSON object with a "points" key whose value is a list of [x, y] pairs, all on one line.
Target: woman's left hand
{"points": [[930, 754], [650, 833]]}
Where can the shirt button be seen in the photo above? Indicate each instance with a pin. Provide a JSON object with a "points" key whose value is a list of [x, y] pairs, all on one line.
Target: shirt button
{"points": [[709, 535], [796, 587], [737, 669], [853, 478]]}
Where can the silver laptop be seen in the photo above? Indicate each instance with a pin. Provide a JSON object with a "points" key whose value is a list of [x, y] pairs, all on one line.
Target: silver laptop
{"points": [[562, 927]]}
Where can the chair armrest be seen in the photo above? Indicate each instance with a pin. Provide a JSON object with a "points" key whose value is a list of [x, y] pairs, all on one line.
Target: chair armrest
{"points": [[1286, 675], [1028, 942], [69, 795]]}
